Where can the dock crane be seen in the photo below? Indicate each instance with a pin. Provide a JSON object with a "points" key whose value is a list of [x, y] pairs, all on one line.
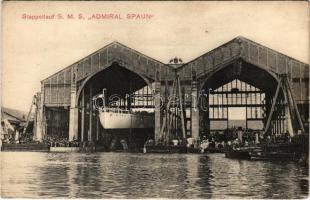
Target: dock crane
{"points": [[33, 103]]}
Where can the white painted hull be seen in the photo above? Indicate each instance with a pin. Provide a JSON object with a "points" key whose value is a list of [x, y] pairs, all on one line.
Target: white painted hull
{"points": [[121, 120], [64, 149]]}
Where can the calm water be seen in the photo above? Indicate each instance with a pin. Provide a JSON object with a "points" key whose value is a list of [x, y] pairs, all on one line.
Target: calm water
{"points": [[125, 175]]}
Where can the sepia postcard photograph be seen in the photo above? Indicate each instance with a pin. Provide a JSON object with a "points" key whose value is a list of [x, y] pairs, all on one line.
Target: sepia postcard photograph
{"points": [[154, 100]]}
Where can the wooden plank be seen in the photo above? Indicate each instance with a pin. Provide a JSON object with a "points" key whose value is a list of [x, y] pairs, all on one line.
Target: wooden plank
{"points": [[272, 107], [294, 105]]}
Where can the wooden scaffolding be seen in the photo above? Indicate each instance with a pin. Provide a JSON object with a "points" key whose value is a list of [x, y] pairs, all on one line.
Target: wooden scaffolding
{"points": [[284, 103]]}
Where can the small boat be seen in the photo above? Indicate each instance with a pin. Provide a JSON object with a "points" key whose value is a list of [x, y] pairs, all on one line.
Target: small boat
{"points": [[194, 150], [263, 153], [25, 147], [274, 156], [64, 149], [72, 147], [277, 152], [215, 150], [164, 149], [240, 153]]}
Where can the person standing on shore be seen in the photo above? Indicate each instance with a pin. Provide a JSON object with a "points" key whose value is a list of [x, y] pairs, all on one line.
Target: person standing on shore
{"points": [[240, 135]]}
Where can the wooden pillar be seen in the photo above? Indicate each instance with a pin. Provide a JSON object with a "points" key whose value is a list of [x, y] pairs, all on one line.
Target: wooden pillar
{"points": [[40, 118], [90, 132], [208, 112], [97, 127], [83, 115], [194, 111], [73, 114], [147, 96], [181, 107], [157, 102], [246, 110]]}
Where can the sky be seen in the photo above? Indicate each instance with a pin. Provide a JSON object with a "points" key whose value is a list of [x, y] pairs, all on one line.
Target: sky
{"points": [[35, 49]]}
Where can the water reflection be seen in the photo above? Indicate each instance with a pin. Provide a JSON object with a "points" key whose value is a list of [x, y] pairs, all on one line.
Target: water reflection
{"points": [[122, 175]]}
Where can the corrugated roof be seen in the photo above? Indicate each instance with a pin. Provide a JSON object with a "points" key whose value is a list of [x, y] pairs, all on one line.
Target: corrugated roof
{"points": [[13, 114]]}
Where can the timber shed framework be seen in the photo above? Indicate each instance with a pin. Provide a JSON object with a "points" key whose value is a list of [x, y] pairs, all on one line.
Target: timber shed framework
{"points": [[62, 106]]}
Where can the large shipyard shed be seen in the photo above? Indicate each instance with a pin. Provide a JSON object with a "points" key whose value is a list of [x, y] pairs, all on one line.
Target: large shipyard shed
{"points": [[66, 97], [270, 87]]}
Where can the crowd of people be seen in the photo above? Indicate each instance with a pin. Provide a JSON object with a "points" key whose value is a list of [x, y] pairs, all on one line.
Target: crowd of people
{"points": [[232, 138], [239, 137], [55, 141]]}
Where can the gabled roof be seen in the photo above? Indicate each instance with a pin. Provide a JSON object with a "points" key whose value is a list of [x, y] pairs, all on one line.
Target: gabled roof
{"points": [[114, 43], [240, 39]]}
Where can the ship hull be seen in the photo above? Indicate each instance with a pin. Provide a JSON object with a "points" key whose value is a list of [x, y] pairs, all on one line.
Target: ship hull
{"points": [[120, 120]]}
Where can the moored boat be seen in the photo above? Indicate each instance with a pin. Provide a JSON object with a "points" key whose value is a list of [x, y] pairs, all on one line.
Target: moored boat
{"points": [[240, 153], [277, 152], [64, 149], [25, 147], [237, 154], [165, 149], [274, 155], [273, 152]]}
